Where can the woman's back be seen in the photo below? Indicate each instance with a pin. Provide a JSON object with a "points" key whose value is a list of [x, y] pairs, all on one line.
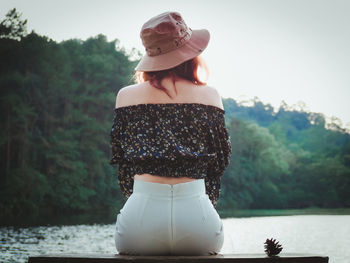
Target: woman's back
{"points": [[183, 92]]}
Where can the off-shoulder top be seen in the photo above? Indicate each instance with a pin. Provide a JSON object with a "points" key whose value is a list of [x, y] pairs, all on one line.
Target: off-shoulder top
{"points": [[172, 140]]}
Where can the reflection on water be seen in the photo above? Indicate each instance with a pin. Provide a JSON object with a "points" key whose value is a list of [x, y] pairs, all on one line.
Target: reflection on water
{"points": [[319, 234], [18, 243]]}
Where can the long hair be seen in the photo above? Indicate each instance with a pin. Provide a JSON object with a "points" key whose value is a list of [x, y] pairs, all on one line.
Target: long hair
{"points": [[187, 70]]}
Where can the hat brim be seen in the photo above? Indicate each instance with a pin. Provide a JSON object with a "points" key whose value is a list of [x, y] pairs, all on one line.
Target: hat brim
{"points": [[193, 47]]}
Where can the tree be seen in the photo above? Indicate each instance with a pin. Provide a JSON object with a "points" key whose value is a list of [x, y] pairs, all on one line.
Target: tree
{"points": [[12, 26], [57, 102]]}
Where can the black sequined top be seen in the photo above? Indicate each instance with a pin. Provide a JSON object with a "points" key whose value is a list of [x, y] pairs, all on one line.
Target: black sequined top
{"points": [[173, 140]]}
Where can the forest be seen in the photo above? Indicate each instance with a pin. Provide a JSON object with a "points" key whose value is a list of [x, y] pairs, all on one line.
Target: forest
{"points": [[57, 103]]}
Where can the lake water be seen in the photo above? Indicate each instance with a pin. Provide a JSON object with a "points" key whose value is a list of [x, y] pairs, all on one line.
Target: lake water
{"points": [[316, 234]]}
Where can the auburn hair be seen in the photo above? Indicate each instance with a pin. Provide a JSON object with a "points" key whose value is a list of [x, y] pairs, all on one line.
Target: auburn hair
{"points": [[187, 70]]}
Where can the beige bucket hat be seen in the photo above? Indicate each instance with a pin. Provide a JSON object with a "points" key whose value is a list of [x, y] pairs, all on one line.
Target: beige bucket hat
{"points": [[169, 42]]}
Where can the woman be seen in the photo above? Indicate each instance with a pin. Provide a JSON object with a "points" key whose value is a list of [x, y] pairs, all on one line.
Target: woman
{"points": [[170, 141]]}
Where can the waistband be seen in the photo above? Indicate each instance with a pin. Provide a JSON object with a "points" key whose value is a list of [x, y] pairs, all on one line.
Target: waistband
{"points": [[196, 187]]}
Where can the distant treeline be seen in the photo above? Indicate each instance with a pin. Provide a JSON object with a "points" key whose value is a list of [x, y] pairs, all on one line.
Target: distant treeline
{"points": [[57, 103], [284, 159]]}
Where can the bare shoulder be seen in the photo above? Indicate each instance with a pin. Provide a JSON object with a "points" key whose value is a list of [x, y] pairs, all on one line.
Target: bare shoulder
{"points": [[213, 97], [125, 95]]}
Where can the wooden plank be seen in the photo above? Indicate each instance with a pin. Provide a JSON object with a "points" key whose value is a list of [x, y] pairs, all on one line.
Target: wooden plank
{"points": [[220, 258]]}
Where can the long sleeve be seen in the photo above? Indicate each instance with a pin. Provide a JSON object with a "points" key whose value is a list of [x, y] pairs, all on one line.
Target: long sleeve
{"points": [[115, 136], [221, 145]]}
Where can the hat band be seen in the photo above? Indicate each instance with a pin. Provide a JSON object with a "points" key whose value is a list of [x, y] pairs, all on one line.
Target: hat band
{"points": [[170, 46]]}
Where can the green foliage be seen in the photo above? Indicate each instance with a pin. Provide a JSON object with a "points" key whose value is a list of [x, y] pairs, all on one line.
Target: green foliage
{"points": [[57, 102], [284, 159], [12, 26], [258, 163]]}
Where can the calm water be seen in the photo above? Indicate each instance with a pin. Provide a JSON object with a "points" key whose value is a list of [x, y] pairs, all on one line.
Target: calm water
{"points": [[317, 234]]}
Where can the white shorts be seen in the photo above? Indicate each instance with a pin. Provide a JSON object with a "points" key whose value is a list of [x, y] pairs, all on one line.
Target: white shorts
{"points": [[164, 219]]}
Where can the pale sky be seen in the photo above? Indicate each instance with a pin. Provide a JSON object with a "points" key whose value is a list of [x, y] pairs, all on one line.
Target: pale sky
{"points": [[291, 50]]}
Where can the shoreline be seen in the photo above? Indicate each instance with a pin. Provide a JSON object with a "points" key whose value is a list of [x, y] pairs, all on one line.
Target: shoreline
{"points": [[103, 218], [240, 213]]}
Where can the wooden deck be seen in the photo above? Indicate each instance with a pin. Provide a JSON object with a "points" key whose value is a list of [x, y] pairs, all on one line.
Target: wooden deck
{"points": [[221, 258]]}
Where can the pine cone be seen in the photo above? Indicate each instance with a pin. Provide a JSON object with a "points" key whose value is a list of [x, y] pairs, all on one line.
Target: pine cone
{"points": [[272, 248]]}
